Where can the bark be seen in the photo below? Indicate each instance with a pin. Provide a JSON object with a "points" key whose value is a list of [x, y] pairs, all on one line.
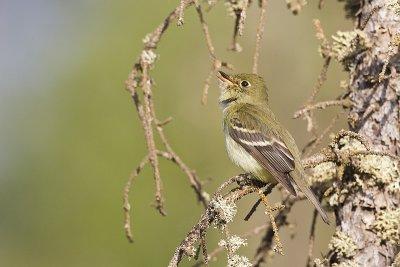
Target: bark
{"points": [[375, 115]]}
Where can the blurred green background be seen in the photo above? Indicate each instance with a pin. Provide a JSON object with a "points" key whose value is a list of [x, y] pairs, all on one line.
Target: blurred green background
{"points": [[70, 134]]}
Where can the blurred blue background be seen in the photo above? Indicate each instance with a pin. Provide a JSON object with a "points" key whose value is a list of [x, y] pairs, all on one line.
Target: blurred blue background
{"points": [[70, 134]]}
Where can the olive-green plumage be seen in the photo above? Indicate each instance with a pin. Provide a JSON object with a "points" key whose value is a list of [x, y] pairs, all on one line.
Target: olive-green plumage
{"points": [[255, 140]]}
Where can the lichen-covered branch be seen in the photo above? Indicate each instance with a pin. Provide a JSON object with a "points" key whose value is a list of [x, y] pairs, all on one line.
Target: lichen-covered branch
{"points": [[219, 212]]}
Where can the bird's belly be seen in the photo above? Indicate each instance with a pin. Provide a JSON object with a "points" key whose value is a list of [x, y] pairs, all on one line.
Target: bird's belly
{"points": [[244, 160]]}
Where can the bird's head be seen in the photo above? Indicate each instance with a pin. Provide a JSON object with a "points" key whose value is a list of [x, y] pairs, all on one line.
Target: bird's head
{"points": [[242, 88]]}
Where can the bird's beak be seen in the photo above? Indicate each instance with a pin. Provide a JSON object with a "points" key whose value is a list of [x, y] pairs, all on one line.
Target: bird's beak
{"points": [[225, 78]]}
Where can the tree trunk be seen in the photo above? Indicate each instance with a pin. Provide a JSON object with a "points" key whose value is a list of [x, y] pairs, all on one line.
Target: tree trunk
{"points": [[375, 115]]}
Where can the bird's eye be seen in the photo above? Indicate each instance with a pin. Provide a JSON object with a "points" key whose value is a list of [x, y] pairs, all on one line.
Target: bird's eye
{"points": [[244, 84]]}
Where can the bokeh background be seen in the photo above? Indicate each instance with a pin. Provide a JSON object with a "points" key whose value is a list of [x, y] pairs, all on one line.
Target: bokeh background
{"points": [[70, 135]]}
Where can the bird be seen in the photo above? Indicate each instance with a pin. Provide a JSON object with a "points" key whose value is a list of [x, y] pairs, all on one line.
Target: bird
{"points": [[256, 141]]}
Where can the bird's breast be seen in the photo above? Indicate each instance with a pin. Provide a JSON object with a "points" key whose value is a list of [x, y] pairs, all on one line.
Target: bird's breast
{"points": [[241, 157]]}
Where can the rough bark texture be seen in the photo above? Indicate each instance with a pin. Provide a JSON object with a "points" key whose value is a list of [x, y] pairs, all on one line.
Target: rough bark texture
{"points": [[375, 115]]}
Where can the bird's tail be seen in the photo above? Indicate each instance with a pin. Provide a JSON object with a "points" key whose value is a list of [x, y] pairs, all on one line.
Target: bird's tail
{"points": [[304, 187]]}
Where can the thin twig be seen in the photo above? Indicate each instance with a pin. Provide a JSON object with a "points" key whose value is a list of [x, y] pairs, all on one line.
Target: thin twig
{"points": [[216, 64], [205, 29], [151, 146], [126, 205], [322, 105], [242, 18], [260, 33], [194, 181], [235, 46], [278, 245], [308, 148], [320, 81], [309, 115], [180, 16], [207, 87], [265, 247], [312, 238]]}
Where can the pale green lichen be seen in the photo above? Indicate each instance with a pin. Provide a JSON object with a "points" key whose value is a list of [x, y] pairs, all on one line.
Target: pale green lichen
{"points": [[387, 226], [239, 261], [394, 5], [347, 44], [319, 262], [323, 173], [333, 200], [224, 210], [348, 144], [384, 170], [394, 186], [337, 195], [148, 57], [343, 245], [232, 244]]}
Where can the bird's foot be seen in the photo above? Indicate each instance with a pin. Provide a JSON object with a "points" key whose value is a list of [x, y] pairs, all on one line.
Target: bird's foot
{"points": [[247, 179]]}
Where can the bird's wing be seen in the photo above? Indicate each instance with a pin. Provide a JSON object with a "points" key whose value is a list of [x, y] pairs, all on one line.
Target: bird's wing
{"points": [[265, 146]]}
